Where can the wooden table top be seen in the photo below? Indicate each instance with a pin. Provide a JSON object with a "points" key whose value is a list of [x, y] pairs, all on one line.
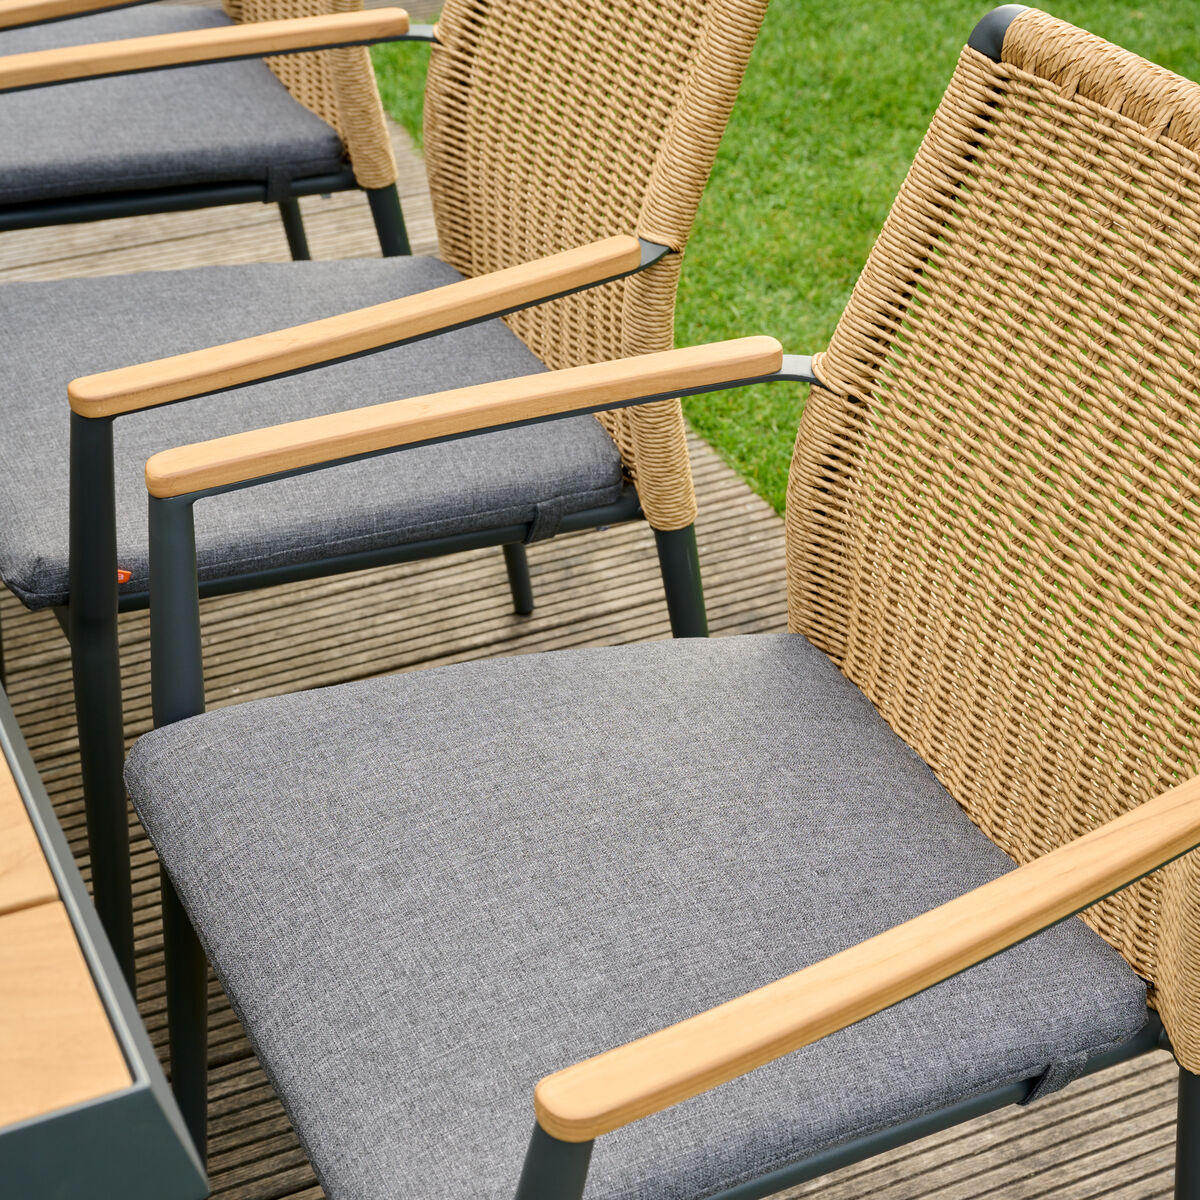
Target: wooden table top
{"points": [[57, 1046]]}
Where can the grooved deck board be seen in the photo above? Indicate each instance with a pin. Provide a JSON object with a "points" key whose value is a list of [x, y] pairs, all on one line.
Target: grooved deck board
{"points": [[1109, 1136]]}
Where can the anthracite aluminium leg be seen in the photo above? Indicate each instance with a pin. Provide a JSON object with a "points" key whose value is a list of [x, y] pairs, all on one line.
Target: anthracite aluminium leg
{"points": [[1187, 1138], [680, 564], [187, 1015], [293, 226], [521, 586], [96, 665], [177, 692], [389, 220]]}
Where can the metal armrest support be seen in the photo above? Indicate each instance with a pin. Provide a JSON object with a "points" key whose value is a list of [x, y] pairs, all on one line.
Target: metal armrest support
{"points": [[422, 33], [245, 458]]}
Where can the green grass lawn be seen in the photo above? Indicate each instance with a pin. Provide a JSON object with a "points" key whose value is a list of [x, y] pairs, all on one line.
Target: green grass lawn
{"points": [[833, 107]]}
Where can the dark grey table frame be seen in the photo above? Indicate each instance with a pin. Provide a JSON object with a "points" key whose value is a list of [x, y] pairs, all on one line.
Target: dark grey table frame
{"points": [[128, 1145]]}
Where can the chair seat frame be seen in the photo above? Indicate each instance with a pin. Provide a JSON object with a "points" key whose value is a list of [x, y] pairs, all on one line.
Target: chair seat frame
{"points": [[386, 211]]}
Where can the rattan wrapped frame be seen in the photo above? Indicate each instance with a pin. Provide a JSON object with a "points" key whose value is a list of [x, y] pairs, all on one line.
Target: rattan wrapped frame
{"points": [[338, 85], [551, 125], [994, 503]]}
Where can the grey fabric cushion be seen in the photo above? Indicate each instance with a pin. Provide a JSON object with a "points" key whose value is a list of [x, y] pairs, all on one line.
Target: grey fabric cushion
{"points": [[425, 892], [207, 124], [52, 332]]}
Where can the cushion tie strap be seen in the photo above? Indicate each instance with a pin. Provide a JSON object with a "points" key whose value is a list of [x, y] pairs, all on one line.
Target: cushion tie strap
{"points": [[547, 514], [279, 184], [1057, 1075]]}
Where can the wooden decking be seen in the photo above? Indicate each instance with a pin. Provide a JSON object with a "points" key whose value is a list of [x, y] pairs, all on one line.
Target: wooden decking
{"points": [[1110, 1136]]}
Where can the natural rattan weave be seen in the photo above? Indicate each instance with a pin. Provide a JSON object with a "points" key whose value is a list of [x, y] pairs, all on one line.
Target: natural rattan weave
{"points": [[338, 85], [994, 506], [550, 125]]}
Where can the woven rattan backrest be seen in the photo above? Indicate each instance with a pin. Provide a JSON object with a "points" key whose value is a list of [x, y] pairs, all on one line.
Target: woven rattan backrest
{"points": [[551, 125], [338, 85], [994, 507]]}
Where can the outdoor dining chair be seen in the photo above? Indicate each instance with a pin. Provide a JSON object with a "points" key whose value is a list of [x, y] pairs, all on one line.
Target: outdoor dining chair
{"points": [[229, 133], [589, 171], [760, 889]]}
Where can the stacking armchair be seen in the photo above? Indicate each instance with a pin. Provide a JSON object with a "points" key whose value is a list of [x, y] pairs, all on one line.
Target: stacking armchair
{"points": [[785, 930], [544, 187], [760, 891], [228, 133]]}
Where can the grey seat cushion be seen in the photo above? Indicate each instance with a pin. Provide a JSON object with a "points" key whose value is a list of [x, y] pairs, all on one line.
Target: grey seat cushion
{"points": [[425, 892], [52, 332], [206, 124]]}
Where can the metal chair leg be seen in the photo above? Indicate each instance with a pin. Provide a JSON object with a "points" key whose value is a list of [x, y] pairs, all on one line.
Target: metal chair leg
{"points": [[389, 220], [519, 583], [553, 1170], [187, 1015], [679, 561], [293, 226], [96, 666], [97, 672], [1187, 1138]]}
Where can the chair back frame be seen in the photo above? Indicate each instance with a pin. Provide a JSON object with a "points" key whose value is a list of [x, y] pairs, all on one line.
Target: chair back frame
{"points": [[993, 515]]}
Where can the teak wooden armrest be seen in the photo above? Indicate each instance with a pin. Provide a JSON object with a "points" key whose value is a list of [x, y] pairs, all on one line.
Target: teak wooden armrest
{"points": [[643, 1077], [14, 13], [299, 444], [183, 375], [249, 40]]}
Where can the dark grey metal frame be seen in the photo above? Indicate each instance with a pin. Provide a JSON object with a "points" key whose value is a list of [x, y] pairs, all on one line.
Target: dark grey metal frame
{"points": [[386, 211], [91, 618], [132, 1144], [553, 1169]]}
